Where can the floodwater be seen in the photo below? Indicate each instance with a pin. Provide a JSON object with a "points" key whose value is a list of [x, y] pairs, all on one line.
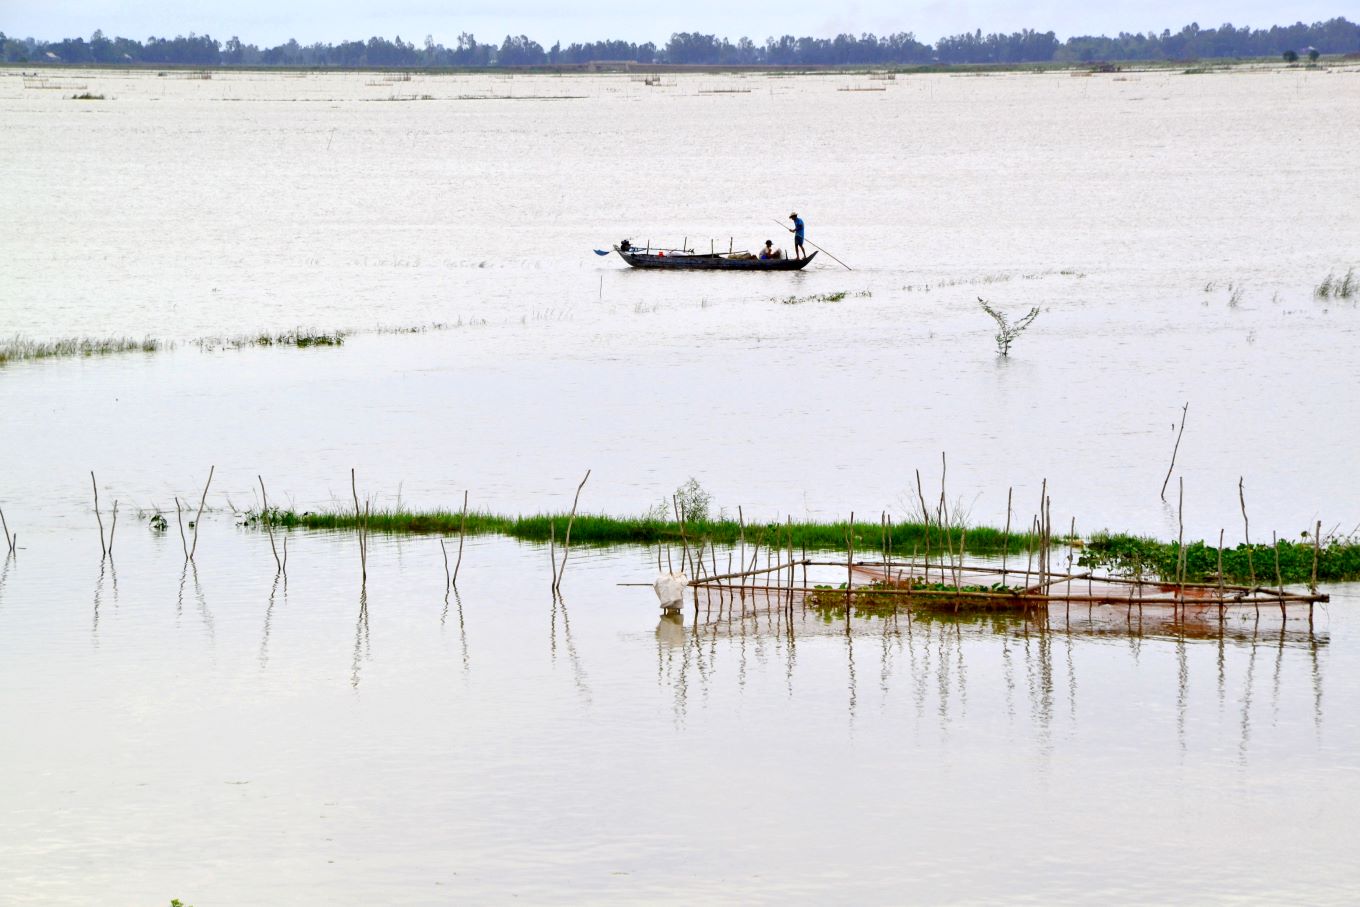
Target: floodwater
{"points": [[211, 735]]}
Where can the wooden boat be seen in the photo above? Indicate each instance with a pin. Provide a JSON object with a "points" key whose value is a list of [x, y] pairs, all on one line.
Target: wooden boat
{"points": [[710, 261]]}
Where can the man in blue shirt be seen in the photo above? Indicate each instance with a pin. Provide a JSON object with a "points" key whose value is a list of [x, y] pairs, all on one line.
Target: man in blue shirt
{"points": [[797, 235]]}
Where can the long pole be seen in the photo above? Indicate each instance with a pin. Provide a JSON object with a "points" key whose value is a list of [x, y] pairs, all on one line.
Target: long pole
{"points": [[808, 242]]}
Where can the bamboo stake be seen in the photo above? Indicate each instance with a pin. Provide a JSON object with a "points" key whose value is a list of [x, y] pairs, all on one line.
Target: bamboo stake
{"points": [[1317, 545], [360, 526], [462, 531], [1184, 410], [1246, 531], [566, 542], [1006, 536], [179, 518], [849, 566], [201, 502], [103, 548], [1221, 602], [9, 539], [1279, 580], [925, 515], [552, 550], [448, 580], [269, 523], [1180, 545], [285, 561], [113, 527]]}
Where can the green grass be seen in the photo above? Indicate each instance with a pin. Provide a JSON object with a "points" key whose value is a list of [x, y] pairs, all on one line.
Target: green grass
{"points": [[1343, 287], [19, 348], [1338, 559], [297, 337], [592, 529]]}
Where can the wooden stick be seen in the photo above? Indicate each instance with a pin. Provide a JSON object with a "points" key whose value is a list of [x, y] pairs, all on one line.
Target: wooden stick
{"points": [[1006, 536], [1180, 544], [201, 501], [448, 580], [1184, 410], [1317, 545], [1220, 575], [1279, 580], [9, 539], [1246, 530], [462, 531], [566, 542], [552, 550], [103, 548], [849, 566], [359, 526], [113, 527], [925, 515], [179, 518], [269, 523]]}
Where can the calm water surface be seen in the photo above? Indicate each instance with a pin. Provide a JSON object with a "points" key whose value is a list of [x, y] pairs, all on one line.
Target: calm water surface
{"points": [[210, 735]]}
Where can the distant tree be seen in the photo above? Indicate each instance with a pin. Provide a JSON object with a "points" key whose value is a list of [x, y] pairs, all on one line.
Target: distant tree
{"points": [[1291, 56], [520, 51], [1313, 54]]}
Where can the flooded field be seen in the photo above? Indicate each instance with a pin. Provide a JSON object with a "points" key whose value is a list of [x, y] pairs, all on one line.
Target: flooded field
{"points": [[212, 734]]}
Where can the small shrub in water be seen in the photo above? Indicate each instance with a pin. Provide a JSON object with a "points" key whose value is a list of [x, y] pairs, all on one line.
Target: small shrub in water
{"points": [[1008, 332]]}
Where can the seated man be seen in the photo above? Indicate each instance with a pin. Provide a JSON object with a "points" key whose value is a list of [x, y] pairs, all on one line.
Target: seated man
{"points": [[769, 251]]}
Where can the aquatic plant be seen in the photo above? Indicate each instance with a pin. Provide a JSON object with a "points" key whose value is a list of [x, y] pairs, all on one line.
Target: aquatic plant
{"points": [[1343, 287], [298, 337], [19, 348], [1007, 332], [650, 528], [87, 96], [1337, 558], [815, 297]]}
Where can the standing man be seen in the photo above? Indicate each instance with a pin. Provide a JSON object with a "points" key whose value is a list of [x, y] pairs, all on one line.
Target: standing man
{"points": [[797, 235]]}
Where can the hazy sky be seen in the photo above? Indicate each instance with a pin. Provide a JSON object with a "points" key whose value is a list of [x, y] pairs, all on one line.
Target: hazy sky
{"points": [[546, 21]]}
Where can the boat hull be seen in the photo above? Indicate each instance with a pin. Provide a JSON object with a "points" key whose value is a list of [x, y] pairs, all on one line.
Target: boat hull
{"points": [[711, 262]]}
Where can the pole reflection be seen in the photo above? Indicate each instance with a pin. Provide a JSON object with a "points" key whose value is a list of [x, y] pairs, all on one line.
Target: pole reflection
{"points": [[943, 663]]}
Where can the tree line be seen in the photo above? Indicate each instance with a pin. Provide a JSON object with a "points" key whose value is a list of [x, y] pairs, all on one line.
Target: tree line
{"points": [[1335, 36]]}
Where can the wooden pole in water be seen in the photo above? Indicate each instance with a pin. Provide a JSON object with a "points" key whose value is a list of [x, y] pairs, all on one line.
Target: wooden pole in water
{"points": [[566, 542], [113, 527], [1317, 543], [925, 516], [359, 526], [1246, 533], [1180, 548], [1184, 410], [462, 531], [552, 550], [268, 522], [849, 566], [448, 580], [103, 548], [201, 502], [1006, 536], [179, 518], [1279, 580], [9, 539], [1221, 597]]}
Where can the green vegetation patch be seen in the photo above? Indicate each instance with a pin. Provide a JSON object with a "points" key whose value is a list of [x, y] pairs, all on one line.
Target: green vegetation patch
{"points": [[649, 529], [1338, 560], [18, 348]]}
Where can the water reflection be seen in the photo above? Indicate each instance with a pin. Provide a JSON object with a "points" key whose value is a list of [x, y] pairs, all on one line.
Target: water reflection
{"points": [[559, 606], [191, 570], [933, 658], [452, 590], [362, 651], [269, 616]]}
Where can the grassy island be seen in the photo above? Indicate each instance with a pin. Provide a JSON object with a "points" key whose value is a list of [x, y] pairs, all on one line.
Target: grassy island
{"points": [[1338, 559]]}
